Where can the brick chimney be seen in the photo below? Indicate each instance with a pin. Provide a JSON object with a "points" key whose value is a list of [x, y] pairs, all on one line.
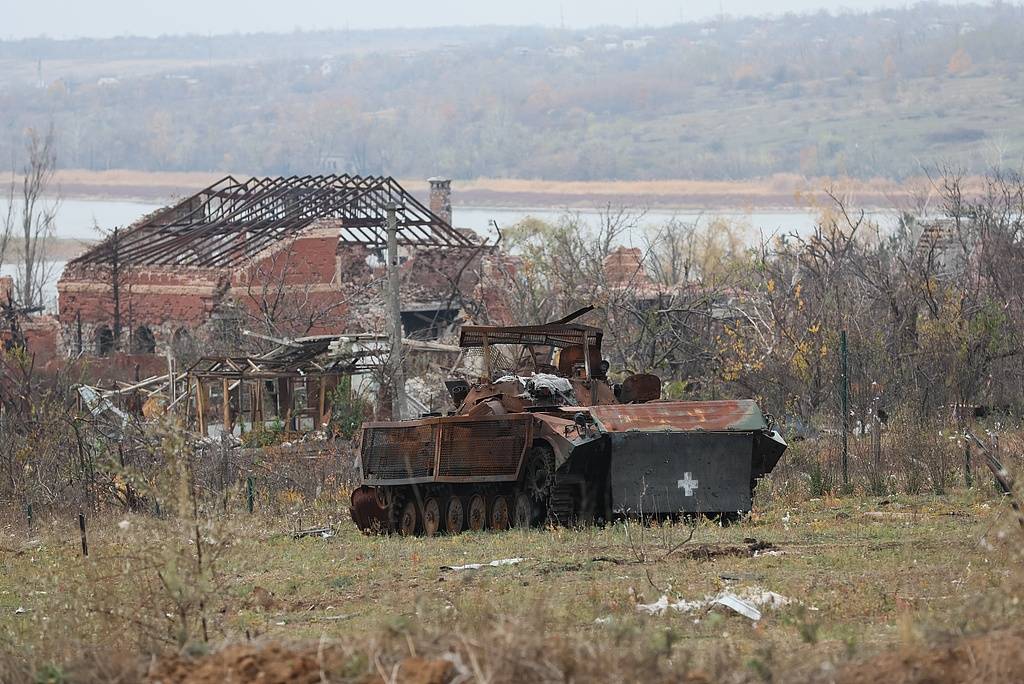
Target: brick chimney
{"points": [[441, 197], [624, 266]]}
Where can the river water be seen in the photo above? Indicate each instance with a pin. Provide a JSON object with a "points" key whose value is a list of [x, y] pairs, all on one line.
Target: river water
{"points": [[76, 218]]}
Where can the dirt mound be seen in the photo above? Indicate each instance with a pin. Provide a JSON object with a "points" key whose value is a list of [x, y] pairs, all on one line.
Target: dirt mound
{"points": [[994, 657], [274, 663], [750, 548]]}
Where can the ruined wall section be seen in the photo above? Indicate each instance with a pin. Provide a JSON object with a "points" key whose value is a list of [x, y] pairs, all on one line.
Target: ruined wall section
{"points": [[428, 276], [297, 280], [171, 302]]}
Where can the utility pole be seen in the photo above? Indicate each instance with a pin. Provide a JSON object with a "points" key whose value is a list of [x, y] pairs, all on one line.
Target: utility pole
{"points": [[398, 402]]}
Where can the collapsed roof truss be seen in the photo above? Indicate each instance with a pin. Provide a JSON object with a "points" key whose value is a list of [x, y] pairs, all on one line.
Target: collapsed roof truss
{"points": [[231, 221]]}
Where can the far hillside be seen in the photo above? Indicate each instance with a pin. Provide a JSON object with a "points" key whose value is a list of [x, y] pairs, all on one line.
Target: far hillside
{"points": [[867, 95]]}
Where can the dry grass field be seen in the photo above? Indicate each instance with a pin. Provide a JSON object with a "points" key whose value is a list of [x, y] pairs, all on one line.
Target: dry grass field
{"points": [[879, 589]]}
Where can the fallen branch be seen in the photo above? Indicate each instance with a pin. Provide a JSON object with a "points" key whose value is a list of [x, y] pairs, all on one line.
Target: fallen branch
{"points": [[1001, 474]]}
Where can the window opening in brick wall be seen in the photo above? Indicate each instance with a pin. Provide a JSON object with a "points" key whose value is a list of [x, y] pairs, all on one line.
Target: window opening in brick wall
{"points": [[104, 341]]}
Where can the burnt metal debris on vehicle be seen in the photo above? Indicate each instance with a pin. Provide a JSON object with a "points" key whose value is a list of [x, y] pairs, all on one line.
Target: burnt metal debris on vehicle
{"points": [[553, 440]]}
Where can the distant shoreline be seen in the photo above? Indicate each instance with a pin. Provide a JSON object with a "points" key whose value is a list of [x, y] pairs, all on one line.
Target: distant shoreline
{"points": [[780, 193], [57, 249]]}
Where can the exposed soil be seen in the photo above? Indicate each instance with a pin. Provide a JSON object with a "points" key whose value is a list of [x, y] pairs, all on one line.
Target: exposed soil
{"points": [[994, 657], [750, 548]]}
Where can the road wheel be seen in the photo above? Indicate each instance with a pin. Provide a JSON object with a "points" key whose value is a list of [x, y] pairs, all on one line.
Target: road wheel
{"points": [[408, 519], [539, 473], [431, 516], [499, 513], [523, 515], [454, 515], [477, 513]]}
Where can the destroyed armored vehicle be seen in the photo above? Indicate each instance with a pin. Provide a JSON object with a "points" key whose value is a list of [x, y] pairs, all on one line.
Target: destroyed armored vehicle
{"points": [[554, 441]]}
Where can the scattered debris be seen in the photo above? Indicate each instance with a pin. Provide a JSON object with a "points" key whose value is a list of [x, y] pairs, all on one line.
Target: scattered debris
{"points": [[101, 406], [323, 532], [745, 602], [477, 566]]}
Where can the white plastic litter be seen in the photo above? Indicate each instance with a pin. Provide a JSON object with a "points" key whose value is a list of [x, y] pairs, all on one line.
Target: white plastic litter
{"points": [[657, 608], [746, 602], [477, 566], [742, 607]]}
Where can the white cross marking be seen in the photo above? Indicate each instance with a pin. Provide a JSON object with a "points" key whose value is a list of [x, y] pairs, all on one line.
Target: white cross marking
{"points": [[688, 484]]}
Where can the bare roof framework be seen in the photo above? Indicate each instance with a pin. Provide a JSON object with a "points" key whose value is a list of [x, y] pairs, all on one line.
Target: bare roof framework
{"points": [[231, 220]]}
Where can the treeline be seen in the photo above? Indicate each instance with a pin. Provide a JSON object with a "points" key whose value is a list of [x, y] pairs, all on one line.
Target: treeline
{"points": [[874, 94], [931, 311]]}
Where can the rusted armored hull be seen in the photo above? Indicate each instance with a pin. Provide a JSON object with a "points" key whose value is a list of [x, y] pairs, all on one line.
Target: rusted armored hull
{"points": [[563, 465], [687, 457]]}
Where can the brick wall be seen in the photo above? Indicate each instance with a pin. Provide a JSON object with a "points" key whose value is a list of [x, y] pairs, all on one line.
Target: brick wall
{"points": [[163, 299]]}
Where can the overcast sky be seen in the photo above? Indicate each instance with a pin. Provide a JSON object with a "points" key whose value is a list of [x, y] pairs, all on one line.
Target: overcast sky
{"points": [[104, 18]]}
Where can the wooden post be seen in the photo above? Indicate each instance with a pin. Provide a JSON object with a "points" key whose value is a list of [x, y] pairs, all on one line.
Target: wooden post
{"points": [[323, 400], [258, 403], [226, 405], [876, 443], [81, 527], [201, 407], [250, 493], [188, 397], [285, 402]]}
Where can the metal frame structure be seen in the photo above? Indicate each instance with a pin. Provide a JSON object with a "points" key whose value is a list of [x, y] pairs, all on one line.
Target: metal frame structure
{"points": [[556, 335], [285, 366], [231, 221], [549, 334]]}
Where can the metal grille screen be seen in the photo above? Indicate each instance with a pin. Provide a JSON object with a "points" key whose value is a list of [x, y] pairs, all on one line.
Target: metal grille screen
{"points": [[399, 452], [482, 448]]}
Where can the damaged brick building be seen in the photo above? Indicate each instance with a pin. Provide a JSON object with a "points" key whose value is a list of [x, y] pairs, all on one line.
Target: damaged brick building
{"points": [[279, 256]]}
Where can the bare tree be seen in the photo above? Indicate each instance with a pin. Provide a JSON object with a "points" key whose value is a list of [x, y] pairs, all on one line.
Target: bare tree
{"points": [[282, 303], [29, 219], [117, 272]]}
